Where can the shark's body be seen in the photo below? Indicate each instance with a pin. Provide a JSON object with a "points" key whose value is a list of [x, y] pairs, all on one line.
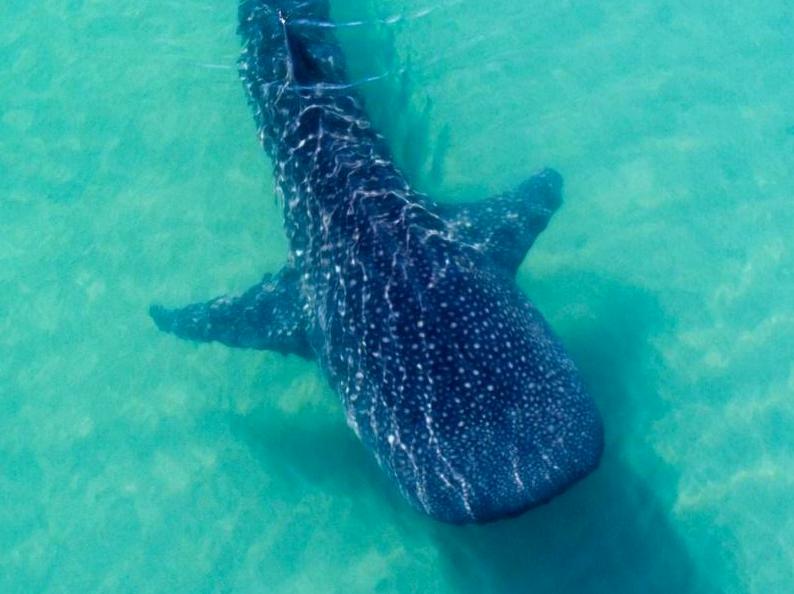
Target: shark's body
{"points": [[447, 373]]}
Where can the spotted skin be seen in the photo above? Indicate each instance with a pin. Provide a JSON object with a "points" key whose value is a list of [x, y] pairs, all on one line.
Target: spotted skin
{"points": [[447, 373]]}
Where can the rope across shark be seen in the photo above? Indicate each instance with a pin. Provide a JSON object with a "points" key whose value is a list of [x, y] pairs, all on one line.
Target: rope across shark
{"points": [[447, 373]]}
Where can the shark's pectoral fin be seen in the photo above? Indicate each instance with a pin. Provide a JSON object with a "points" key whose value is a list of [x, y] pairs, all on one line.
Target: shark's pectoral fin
{"points": [[268, 316], [504, 227]]}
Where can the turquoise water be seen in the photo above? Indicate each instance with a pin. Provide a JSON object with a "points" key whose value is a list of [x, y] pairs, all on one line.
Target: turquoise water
{"points": [[130, 172]]}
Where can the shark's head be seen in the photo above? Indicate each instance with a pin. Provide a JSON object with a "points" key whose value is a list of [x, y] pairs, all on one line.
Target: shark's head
{"points": [[499, 421]]}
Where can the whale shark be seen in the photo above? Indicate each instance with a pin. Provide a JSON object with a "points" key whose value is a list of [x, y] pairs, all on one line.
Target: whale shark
{"points": [[447, 373]]}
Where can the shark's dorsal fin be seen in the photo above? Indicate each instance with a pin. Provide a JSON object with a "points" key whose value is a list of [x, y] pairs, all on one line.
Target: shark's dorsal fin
{"points": [[505, 226], [268, 316]]}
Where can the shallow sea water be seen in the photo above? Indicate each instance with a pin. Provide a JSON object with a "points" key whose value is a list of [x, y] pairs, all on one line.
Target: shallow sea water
{"points": [[130, 172]]}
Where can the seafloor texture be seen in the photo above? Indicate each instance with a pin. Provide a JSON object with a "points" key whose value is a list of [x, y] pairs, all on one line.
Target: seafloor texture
{"points": [[130, 171]]}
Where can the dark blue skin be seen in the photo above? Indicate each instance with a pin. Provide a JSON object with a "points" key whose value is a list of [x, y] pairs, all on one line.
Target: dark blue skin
{"points": [[447, 373]]}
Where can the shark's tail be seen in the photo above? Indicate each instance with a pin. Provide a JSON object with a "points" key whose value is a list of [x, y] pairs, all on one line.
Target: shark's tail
{"points": [[288, 42], [289, 49]]}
